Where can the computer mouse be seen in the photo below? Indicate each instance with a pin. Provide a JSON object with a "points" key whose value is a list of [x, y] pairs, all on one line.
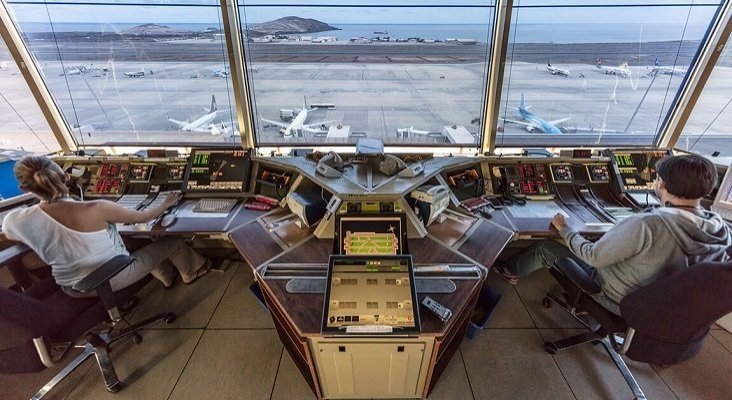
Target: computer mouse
{"points": [[168, 220]]}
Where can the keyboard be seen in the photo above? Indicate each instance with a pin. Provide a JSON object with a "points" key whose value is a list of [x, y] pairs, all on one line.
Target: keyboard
{"points": [[131, 201], [214, 205]]}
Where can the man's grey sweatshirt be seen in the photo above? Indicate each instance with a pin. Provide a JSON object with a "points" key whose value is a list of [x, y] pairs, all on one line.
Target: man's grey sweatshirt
{"points": [[648, 246]]}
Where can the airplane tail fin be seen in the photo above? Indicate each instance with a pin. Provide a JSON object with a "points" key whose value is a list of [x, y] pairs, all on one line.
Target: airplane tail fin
{"points": [[657, 63], [548, 62], [522, 104], [304, 102], [213, 104]]}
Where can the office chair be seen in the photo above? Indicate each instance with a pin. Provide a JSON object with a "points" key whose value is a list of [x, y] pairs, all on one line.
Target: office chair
{"points": [[35, 321], [663, 323]]}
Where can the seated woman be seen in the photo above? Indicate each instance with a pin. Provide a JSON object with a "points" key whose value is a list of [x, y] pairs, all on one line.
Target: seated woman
{"points": [[75, 237]]}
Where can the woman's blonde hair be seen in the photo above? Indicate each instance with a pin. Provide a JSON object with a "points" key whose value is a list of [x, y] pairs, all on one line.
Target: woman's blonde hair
{"points": [[42, 177]]}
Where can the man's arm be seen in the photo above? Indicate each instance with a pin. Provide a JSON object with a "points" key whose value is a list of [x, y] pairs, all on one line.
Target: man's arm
{"points": [[625, 240]]}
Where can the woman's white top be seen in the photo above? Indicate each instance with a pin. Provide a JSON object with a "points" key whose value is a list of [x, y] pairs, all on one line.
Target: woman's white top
{"points": [[71, 254]]}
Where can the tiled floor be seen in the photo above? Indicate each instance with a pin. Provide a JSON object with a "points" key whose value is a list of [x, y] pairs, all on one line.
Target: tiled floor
{"points": [[224, 346]]}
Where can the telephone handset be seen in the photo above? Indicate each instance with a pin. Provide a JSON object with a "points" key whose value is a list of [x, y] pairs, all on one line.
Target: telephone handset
{"points": [[503, 189]]}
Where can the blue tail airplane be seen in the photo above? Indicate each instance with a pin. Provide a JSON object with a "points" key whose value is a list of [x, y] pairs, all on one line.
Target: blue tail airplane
{"points": [[534, 123]]}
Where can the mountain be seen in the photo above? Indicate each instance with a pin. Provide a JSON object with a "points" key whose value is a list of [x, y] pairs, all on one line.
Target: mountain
{"points": [[154, 30], [290, 25]]}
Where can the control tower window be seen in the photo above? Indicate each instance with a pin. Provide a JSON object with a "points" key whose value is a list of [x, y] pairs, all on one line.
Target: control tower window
{"points": [[408, 72], [22, 126], [133, 71], [596, 73], [708, 129]]}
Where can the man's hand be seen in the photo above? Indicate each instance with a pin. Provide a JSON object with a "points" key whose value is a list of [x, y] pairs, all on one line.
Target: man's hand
{"points": [[559, 222], [172, 199]]}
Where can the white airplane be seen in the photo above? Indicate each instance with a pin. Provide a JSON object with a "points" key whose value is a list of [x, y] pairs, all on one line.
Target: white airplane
{"points": [[4, 66], [135, 74], [555, 70], [665, 70], [298, 126], [220, 73], [201, 125], [71, 71], [406, 132], [532, 122], [621, 70]]}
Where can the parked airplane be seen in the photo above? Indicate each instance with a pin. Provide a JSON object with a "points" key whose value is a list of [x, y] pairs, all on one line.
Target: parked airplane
{"points": [[298, 126], [71, 71], [555, 70], [203, 124], [406, 132], [531, 122], [135, 74], [621, 70], [220, 73], [665, 70]]}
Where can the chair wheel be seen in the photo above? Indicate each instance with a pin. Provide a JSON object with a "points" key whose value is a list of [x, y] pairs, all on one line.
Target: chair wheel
{"points": [[170, 318], [116, 387], [546, 302], [550, 348], [136, 338]]}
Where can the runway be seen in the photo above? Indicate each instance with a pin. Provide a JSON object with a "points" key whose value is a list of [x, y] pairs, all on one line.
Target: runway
{"points": [[377, 89]]}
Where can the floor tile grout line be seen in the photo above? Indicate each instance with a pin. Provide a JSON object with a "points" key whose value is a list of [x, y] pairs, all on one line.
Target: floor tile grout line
{"points": [[653, 367], [228, 284], [467, 375], [554, 358], [720, 343], [81, 378], [188, 361], [277, 373]]}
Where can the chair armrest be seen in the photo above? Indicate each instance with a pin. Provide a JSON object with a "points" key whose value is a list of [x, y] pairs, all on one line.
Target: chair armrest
{"points": [[13, 253], [103, 274], [572, 271]]}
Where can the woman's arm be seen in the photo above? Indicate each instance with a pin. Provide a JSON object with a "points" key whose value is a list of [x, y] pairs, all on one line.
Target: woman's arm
{"points": [[114, 213]]}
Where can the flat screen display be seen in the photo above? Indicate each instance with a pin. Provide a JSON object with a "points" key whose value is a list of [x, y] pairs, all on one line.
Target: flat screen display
{"points": [[637, 168], [371, 234], [218, 170], [364, 291]]}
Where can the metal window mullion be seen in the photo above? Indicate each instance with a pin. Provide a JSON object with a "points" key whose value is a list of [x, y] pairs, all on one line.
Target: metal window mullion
{"points": [[239, 79], [501, 30], [698, 77], [28, 68]]}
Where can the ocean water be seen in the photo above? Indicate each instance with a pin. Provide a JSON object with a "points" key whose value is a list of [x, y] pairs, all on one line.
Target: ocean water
{"points": [[521, 33]]}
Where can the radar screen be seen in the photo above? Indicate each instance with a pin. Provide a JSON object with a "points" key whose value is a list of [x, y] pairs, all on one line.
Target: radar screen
{"points": [[140, 172], [637, 168], [218, 170], [598, 173], [176, 172], [562, 173], [371, 235], [365, 291]]}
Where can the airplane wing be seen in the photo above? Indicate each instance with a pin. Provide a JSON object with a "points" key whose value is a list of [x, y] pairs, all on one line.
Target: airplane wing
{"points": [[513, 121], [318, 124], [175, 121], [559, 121], [275, 123]]}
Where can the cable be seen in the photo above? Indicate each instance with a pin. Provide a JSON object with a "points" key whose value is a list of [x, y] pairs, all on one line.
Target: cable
{"points": [[24, 122], [711, 123]]}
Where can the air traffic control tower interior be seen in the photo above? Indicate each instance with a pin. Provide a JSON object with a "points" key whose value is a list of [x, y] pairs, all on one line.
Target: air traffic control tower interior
{"points": [[361, 175]]}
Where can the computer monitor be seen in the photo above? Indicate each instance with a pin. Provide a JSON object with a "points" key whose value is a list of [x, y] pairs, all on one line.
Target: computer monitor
{"points": [[635, 170], [217, 171], [376, 234], [723, 202], [368, 291]]}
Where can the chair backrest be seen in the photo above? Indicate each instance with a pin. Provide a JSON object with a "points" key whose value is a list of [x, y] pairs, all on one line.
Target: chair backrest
{"points": [[674, 314]]}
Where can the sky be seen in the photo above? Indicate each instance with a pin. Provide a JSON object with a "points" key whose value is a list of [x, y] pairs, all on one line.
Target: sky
{"points": [[373, 12]]}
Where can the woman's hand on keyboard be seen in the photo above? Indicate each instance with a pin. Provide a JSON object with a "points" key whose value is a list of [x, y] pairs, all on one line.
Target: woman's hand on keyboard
{"points": [[172, 199]]}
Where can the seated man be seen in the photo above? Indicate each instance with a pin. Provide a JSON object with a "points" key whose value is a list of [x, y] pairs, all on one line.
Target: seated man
{"points": [[646, 246]]}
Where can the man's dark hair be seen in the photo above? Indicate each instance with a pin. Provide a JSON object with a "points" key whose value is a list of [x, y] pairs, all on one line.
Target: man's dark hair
{"points": [[687, 176]]}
